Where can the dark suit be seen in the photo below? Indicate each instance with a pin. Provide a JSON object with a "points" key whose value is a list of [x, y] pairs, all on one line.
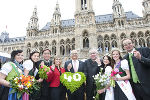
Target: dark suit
{"points": [[142, 68], [78, 94], [45, 85], [90, 68]]}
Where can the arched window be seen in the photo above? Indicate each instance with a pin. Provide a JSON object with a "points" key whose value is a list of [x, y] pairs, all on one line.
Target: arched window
{"points": [[35, 44], [147, 34], [135, 42], [133, 35], [62, 47], [100, 44], [114, 44], [54, 47], [123, 36], [68, 48], [28, 52], [85, 40], [122, 22], [106, 37], [29, 45], [41, 50], [141, 42], [62, 50], [41, 44], [140, 34], [46, 44], [148, 41], [100, 47], [107, 46], [99, 38], [113, 37]]}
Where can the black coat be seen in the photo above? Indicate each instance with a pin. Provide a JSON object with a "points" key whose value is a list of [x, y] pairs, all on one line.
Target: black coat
{"points": [[142, 68], [78, 94], [90, 68], [45, 84]]}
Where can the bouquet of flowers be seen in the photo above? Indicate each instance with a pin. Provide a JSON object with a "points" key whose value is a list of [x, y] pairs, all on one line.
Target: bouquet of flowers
{"points": [[101, 81], [43, 71], [23, 84], [113, 73], [72, 81]]}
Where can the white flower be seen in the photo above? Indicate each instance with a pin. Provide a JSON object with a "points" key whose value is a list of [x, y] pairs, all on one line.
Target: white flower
{"points": [[65, 76], [20, 86], [16, 78], [69, 78], [26, 88], [75, 77]]}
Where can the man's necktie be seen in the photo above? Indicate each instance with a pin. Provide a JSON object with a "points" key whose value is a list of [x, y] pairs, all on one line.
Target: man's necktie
{"points": [[133, 72], [75, 67]]}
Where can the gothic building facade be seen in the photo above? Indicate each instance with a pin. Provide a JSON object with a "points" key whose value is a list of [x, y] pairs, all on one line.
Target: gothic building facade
{"points": [[85, 31]]}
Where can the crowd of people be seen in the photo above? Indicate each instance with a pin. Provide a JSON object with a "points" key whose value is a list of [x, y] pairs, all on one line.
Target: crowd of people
{"points": [[132, 84]]}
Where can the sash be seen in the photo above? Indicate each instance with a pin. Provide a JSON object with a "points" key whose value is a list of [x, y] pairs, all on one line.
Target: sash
{"points": [[126, 88], [109, 94], [17, 72]]}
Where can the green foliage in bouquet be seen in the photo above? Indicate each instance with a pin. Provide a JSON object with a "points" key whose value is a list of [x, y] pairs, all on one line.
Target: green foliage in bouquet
{"points": [[23, 84], [101, 80], [43, 70], [72, 81]]}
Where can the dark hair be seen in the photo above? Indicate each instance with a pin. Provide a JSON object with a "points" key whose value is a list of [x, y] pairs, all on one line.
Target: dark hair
{"points": [[109, 58], [46, 50], [103, 65], [14, 53], [33, 53], [126, 39], [35, 64]]}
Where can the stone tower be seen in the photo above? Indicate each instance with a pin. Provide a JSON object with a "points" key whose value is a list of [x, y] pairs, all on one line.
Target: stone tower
{"points": [[118, 14], [146, 11], [85, 27], [56, 20], [32, 31], [33, 27]]}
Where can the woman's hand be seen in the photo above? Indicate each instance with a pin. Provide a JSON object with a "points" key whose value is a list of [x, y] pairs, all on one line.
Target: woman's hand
{"points": [[53, 67], [98, 61], [40, 80], [42, 63], [115, 78], [101, 91]]}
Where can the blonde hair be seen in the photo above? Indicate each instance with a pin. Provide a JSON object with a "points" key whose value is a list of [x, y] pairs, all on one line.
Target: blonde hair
{"points": [[119, 51], [56, 57]]}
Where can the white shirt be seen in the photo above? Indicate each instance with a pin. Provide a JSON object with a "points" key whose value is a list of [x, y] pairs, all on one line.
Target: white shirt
{"points": [[28, 64], [132, 51], [124, 64], [75, 63], [108, 70], [7, 67]]}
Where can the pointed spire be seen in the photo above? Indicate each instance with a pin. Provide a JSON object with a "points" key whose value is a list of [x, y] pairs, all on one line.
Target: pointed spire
{"points": [[56, 15], [118, 10], [33, 23], [146, 5], [57, 9]]}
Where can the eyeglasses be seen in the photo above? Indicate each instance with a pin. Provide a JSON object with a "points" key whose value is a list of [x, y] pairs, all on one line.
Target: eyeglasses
{"points": [[46, 53], [126, 44]]}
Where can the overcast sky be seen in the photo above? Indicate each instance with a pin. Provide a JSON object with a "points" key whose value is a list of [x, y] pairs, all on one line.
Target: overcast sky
{"points": [[15, 14]]}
